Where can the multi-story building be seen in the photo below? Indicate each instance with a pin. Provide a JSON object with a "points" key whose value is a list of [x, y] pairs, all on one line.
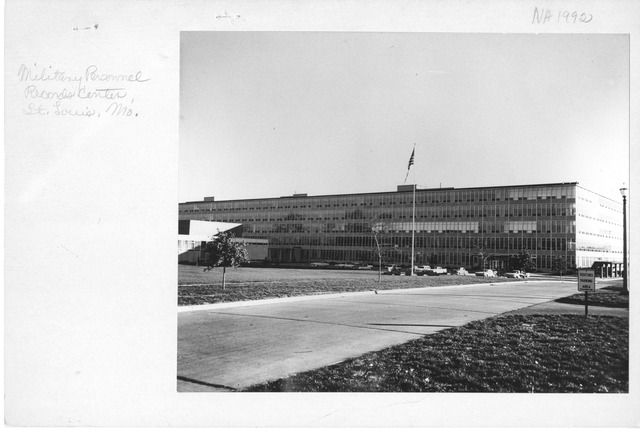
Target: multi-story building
{"points": [[451, 225]]}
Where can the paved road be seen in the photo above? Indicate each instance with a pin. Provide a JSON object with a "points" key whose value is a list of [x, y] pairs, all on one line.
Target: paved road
{"points": [[226, 348]]}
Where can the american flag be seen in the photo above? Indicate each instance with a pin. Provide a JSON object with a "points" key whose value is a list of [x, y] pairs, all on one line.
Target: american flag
{"points": [[413, 152], [411, 159]]}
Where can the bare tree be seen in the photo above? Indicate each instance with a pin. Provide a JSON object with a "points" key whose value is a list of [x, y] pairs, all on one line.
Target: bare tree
{"points": [[482, 252], [378, 229]]}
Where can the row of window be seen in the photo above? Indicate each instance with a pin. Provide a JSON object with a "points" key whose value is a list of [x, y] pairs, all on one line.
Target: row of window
{"points": [[395, 198], [530, 211], [600, 219], [593, 234], [543, 261], [423, 244], [220, 207], [489, 227], [513, 210], [197, 208]]}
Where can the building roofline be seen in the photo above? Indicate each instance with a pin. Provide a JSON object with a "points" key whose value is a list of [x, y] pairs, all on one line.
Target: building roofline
{"points": [[388, 192], [601, 196]]}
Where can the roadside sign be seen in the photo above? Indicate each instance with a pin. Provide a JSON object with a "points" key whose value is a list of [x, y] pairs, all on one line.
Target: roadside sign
{"points": [[586, 280]]}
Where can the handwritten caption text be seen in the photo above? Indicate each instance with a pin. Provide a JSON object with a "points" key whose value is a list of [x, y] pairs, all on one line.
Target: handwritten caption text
{"points": [[548, 16], [91, 93]]}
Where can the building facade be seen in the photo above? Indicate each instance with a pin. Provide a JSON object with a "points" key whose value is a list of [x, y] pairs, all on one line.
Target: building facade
{"points": [[451, 225]]}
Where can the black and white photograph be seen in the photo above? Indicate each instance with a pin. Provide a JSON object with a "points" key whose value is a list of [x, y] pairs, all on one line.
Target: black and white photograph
{"points": [[403, 212], [388, 214]]}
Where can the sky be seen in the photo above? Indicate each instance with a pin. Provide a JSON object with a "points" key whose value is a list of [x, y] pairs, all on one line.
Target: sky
{"points": [[270, 114]]}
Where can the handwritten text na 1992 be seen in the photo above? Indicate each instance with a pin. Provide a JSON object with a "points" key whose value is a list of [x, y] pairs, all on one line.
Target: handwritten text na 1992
{"points": [[549, 16]]}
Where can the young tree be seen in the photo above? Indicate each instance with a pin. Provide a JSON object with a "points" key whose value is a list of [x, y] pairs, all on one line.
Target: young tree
{"points": [[559, 265], [224, 252], [523, 261]]}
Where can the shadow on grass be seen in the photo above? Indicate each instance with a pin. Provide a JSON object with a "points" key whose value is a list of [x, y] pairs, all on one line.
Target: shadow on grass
{"points": [[610, 296], [574, 301]]}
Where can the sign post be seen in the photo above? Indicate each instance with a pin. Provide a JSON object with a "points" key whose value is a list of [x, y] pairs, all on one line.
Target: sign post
{"points": [[586, 283]]}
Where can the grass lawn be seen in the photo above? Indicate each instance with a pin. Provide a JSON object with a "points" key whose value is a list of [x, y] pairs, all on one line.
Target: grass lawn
{"points": [[610, 296], [195, 286], [516, 353]]}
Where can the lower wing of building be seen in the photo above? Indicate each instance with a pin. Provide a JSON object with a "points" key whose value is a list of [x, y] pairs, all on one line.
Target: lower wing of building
{"points": [[193, 236]]}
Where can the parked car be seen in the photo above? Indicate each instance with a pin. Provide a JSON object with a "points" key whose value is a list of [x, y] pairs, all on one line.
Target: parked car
{"points": [[486, 273], [345, 266], [319, 264], [437, 271], [516, 274], [392, 270], [398, 270], [420, 270], [462, 271], [365, 267]]}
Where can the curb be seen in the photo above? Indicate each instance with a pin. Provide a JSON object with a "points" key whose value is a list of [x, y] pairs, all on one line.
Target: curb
{"points": [[234, 304], [188, 308]]}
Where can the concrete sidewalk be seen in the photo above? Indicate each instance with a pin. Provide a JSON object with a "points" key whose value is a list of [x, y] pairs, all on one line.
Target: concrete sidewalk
{"points": [[229, 347]]}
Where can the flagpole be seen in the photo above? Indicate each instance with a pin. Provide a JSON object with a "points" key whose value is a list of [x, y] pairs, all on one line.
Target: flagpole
{"points": [[413, 226], [413, 218]]}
